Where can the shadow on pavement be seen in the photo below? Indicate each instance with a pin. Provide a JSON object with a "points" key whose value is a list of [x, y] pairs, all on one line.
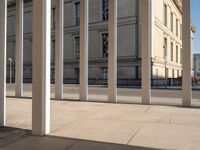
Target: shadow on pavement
{"points": [[20, 139]]}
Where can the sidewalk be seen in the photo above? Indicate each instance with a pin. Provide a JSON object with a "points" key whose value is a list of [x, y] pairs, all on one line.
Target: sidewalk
{"points": [[100, 125], [89, 125]]}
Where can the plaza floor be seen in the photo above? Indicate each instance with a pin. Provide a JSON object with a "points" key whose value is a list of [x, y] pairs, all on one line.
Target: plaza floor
{"points": [[77, 125]]}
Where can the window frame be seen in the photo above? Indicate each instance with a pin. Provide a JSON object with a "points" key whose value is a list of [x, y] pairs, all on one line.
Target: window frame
{"points": [[165, 14], [77, 13]]}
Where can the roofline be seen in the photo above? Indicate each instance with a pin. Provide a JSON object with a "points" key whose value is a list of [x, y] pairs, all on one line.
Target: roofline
{"points": [[178, 5]]}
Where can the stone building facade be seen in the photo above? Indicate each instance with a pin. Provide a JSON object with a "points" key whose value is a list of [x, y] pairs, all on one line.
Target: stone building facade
{"points": [[196, 64], [166, 56]]}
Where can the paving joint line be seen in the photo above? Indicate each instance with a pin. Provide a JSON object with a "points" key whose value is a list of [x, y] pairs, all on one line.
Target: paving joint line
{"points": [[147, 109], [133, 136], [65, 125], [70, 146], [70, 123]]}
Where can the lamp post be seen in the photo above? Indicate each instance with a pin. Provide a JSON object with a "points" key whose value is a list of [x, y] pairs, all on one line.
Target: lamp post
{"points": [[10, 62], [165, 57]]}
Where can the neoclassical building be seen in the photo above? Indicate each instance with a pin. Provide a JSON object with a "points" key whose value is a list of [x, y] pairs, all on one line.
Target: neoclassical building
{"points": [[196, 64], [166, 55]]}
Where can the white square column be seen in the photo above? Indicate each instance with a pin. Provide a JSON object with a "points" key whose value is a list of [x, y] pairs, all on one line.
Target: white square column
{"points": [[59, 50], [19, 48], [187, 53], [84, 50], [146, 47], [3, 35], [112, 53], [41, 67]]}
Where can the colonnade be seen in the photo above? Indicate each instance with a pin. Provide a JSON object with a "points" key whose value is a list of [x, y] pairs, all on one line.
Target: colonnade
{"points": [[41, 56]]}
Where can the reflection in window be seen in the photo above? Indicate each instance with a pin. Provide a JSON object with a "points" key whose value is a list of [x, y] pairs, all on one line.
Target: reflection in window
{"points": [[54, 19], [53, 50], [105, 10], [77, 47], [77, 7], [77, 71], [105, 44], [137, 72], [105, 73]]}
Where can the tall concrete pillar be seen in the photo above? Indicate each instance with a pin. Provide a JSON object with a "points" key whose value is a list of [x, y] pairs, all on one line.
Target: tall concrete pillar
{"points": [[146, 47], [84, 50], [112, 54], [19, 48], [41, 67], [186, 43], [3, 34], [59, 50]]}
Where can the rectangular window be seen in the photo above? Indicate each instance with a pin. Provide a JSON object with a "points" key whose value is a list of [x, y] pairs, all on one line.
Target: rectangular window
{"points": [[52, 75], [177, 27], [77, 47], [172, 74], [181, 56], [105, 45], [53, 44], [176, 54], [54, 18], [76, 71], [172, 51], [77, 9], [178, 73], [172, 22], [181, 31], [137, 72], [105, 10], [105, 73], [165, 49], [165, 15]]}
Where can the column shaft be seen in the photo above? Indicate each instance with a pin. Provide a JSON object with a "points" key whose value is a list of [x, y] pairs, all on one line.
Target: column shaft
{"points": [[146, 46], [84, 50], [59, 50], [19, 48], [3, 33], [112, 54], [41, 67], [186, 43]]}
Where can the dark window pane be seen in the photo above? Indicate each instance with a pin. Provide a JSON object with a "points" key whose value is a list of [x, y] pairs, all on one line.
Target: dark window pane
{"points": [[77, 7], [105, 44], [105, 10], [77, 47], [54, 19], [105, 73]]}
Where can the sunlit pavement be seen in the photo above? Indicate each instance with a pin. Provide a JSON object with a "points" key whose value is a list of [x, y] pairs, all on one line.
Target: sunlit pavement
{"points": [[99, 125]]}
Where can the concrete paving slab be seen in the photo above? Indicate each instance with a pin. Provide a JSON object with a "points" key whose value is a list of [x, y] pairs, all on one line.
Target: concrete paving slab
{"points": [[168, 136], [99, 130]]}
